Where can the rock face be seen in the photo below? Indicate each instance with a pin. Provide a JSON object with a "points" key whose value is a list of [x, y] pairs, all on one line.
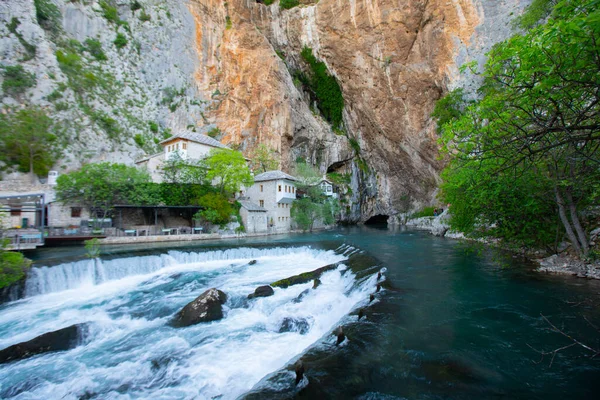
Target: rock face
{"points": [[62, 339], [207, 307], [262, 291], [236, 65], [392, 61]]}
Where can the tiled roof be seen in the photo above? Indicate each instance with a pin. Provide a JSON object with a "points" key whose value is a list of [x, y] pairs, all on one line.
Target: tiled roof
{"points": [[250, 206], [198, 138], [273, 176]]}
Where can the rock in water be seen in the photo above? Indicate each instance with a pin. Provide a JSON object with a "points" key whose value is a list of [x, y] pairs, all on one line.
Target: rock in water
{"points": [[378, 287], [360, 314], [316, 283], [299, 325], [262, 291], [207, 307], [340, 337], [299, 371], [252, 262], [62, 339], [371, 297]]}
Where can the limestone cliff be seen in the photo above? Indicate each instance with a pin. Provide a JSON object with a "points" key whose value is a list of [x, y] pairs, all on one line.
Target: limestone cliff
{"points": [[235, 64], [392, 59]]}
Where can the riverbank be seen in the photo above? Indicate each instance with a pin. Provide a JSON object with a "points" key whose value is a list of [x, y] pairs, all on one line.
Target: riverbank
{"points": [[563, 264]]}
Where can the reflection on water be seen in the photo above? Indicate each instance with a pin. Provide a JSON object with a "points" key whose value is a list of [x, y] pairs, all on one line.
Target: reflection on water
{"points": [[448, 323]]}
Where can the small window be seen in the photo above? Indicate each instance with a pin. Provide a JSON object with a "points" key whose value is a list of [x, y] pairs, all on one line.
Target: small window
{"points": [[280, 188], [75, 212], [15, 210], [184, 146], [261, 188], [261, 203]]}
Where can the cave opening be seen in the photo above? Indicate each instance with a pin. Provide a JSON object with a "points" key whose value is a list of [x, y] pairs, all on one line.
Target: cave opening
{"points": [[377, 220]]}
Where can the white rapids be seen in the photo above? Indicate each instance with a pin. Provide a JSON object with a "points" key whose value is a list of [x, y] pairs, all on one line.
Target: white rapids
{"points": [[131, 351]]}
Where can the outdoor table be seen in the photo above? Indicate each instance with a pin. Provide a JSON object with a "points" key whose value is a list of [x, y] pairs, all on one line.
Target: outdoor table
{"points": [[166, 231], [130, 232], [196, 230]]}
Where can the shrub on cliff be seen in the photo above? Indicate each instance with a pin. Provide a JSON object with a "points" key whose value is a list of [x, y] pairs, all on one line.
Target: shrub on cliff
{"points": [[287, 4], [324, 88], [16, 80]]}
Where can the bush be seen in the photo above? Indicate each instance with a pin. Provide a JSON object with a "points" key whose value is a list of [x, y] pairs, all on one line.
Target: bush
{"points": [[426, 212], [135, 5], [94, 47], [153, 126], [139, 140], [287, 4], [109, 11], [217, 210], [120, 41], [145, 17], [16, 80], [13, 266], [325, 89], [48, 16]]}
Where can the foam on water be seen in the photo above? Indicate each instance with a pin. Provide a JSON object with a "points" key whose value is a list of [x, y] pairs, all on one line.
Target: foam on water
{"points": [[130, 350]]}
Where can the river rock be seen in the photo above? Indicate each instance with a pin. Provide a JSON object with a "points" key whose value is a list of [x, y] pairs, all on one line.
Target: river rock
{"points": [[299, 325], [252, 262], [207, 307], [303, 277], [262, 291], [62, 339]]}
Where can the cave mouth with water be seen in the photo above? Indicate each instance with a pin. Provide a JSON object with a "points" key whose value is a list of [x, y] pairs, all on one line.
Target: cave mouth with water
{"points": [[445, 322], [378, 219]]}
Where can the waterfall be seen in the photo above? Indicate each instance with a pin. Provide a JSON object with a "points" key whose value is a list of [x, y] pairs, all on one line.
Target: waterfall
{"points": [[87, 273]]}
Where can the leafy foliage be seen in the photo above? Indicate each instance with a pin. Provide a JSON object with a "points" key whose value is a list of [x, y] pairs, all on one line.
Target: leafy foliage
{"points": [[263, 159], [94, 47], [16, 80], [103, 185], [217, 210], [535, 12], [120, 41], [27, 141], [13, 265], [287, 4], [535, 133], [48, 16], [449, 107], [324, 88], [228, 169]]}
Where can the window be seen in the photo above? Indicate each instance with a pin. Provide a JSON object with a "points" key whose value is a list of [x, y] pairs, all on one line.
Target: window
{"points": [[75, 212], [15, 210], [261, 188], [184, 146], [280, 188], [261, 203]]}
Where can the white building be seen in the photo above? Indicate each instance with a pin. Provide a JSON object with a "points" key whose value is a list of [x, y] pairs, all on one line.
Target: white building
{"points": [[274, 192], [327, 188], [189, 146]]}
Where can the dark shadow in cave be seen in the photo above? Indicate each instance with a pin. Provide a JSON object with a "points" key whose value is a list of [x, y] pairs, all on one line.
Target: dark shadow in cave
{"points": [[377, 220]]}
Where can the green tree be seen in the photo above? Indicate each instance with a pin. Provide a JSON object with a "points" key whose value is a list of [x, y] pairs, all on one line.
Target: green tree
{"points": [[48, 16], [539, 113], [102, 186], [263, 159], [305, 212], [216, 209], [28, 141], [228, 169]]}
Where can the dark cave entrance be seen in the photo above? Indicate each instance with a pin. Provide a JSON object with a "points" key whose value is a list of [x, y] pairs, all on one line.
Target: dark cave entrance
{"points": [[377, 220]]}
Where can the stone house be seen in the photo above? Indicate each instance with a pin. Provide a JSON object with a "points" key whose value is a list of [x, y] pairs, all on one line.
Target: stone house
{"points": [[274, 192], [189, 146]]}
